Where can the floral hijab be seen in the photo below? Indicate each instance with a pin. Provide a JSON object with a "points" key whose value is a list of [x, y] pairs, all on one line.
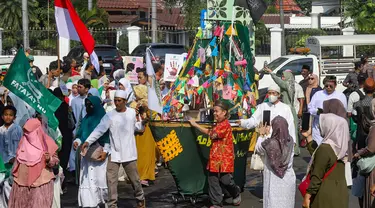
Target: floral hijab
{"points": [[279, 147]]}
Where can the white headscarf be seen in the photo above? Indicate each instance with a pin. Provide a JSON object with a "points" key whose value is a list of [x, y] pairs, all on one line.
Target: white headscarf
{"points": [[128, 88], [335, 131]]}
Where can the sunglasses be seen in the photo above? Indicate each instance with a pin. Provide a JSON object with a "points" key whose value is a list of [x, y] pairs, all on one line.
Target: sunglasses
{"points": [[329, 86]]}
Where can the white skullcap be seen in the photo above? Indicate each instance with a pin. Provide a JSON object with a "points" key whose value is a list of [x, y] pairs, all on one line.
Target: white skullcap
{"points": [[274, 87], [121, 94], [86, 55], [75, 82], [69, 85]]}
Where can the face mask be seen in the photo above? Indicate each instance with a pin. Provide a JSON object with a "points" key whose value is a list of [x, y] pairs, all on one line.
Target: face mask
{"points": [[272, 98]]}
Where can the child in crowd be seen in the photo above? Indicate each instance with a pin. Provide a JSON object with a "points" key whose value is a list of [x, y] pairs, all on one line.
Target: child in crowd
{"points": [[10, 136], [221, 161]]}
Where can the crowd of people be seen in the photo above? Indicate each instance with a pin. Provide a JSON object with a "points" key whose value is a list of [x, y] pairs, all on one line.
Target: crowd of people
{"points": [[103, 138]]}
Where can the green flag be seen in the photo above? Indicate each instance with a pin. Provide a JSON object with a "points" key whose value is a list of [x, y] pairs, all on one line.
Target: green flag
{"points": [[21, 81]]}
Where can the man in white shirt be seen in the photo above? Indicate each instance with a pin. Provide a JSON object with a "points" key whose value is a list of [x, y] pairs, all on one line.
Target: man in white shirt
{"points": [[316, 104], [121, 123], [356, 95], [53, 78], [276, 108]]}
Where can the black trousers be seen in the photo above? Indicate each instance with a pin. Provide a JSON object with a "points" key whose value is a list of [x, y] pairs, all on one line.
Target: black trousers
{"points": [[218, 180]]}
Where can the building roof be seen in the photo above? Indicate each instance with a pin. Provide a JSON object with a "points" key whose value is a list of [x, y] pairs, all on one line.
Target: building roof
{"points": [[289, 6], [128, 4], [122, 18], [172, 17], [274, 19]]}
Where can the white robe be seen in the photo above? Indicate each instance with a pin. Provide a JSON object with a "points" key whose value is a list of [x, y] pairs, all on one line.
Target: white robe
{"points": [[122, 126], [277, 192], [317, 102], [279, 109], [93, 189]]}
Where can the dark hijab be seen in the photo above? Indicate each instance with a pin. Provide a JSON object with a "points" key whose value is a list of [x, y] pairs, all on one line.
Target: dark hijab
{"points": [[279, 147], [336, 107]]}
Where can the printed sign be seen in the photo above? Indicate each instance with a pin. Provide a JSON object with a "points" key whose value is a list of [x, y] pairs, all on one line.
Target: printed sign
{"points": [[131, 65], [173, 65]]}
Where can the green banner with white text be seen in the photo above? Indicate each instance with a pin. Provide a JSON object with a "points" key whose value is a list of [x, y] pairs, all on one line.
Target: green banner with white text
{"points": [[187, 151], [21, 81]]}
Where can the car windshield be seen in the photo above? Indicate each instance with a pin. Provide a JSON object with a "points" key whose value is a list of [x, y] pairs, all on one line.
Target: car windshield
{"points": [[275, 63], [106, 52], [162, 50]]}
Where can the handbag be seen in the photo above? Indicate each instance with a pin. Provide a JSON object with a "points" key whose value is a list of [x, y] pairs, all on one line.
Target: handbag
{"points": [[94, 152], [307, 180], [366, 164], [256, 162]]}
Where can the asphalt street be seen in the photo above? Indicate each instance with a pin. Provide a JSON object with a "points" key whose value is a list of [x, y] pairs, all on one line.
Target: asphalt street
{"points": [[159, 195]]}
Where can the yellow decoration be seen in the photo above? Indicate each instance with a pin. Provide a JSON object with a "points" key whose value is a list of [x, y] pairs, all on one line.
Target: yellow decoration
{"points": [[220, 80], [170, 146], [226, 66], [253, 141], [231, 31], [199, 33], [198, 63]]}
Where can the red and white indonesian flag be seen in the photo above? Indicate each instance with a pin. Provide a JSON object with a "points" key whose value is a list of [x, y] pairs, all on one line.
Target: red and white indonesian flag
{"points": [[70, 26]]}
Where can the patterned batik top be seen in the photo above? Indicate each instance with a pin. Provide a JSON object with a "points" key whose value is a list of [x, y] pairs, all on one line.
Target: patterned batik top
{"points": [[222, 151]]}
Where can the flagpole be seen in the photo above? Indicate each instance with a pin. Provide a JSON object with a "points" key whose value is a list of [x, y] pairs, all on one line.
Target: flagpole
{"points": [[58, 52]]}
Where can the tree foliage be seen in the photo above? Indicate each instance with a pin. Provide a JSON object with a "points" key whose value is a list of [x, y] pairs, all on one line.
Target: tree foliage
{"points": [[362, 13]]}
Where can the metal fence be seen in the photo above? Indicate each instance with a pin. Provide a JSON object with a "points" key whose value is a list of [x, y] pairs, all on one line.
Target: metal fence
{"points": [[44, 42]]}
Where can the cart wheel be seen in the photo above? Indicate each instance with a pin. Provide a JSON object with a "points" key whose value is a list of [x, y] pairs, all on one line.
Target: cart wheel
{"points": [[193, 200], [174, 199]]}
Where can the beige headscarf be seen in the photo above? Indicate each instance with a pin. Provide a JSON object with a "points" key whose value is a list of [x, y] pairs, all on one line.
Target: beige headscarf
{"points": [[335, 131], [311, 86]]}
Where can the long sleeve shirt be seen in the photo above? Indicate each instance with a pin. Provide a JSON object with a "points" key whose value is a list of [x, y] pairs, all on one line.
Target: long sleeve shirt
{"points": [[9, 140], [278, 109], [121, 126], [317, 102]]}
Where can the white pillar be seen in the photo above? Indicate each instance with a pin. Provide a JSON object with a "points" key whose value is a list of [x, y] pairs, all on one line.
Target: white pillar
{"points": [[64, 47], [1, 41], [348, 50], [133, 37], [275, 43], [118, 34], [315, 20], [166, 37]]}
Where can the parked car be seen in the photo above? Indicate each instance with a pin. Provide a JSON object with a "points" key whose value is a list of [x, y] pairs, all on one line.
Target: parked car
{"points": [[111, 56], [158, 50]]}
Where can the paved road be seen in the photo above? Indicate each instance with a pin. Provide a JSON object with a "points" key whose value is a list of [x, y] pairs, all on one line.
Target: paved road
{"points": [[159, 195]]}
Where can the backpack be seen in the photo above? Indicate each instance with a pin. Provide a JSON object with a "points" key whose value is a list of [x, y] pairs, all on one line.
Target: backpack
{"points": [[364, 114]]}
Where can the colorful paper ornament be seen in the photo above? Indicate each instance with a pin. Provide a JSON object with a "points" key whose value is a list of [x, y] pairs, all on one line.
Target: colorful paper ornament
{"points": [[174, 102], [217, 31], [196, 81], [215, 52], [227, 92], [213, 41], [235, 76], [221, 33], [208, 52], [239, 93], [202, 55], [166, 109], [200, 90], [220, 80], [199, 33], [205, 84], [191, 72], [182, 90], [236, 86], [198, 63], [190, 82], [231, 31]]}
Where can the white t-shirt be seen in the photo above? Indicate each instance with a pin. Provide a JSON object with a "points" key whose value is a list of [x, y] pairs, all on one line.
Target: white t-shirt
{"points": [[298, 94]]}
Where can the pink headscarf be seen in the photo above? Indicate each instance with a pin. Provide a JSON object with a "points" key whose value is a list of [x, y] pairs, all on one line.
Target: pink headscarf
{"points": [[34, 143]]}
